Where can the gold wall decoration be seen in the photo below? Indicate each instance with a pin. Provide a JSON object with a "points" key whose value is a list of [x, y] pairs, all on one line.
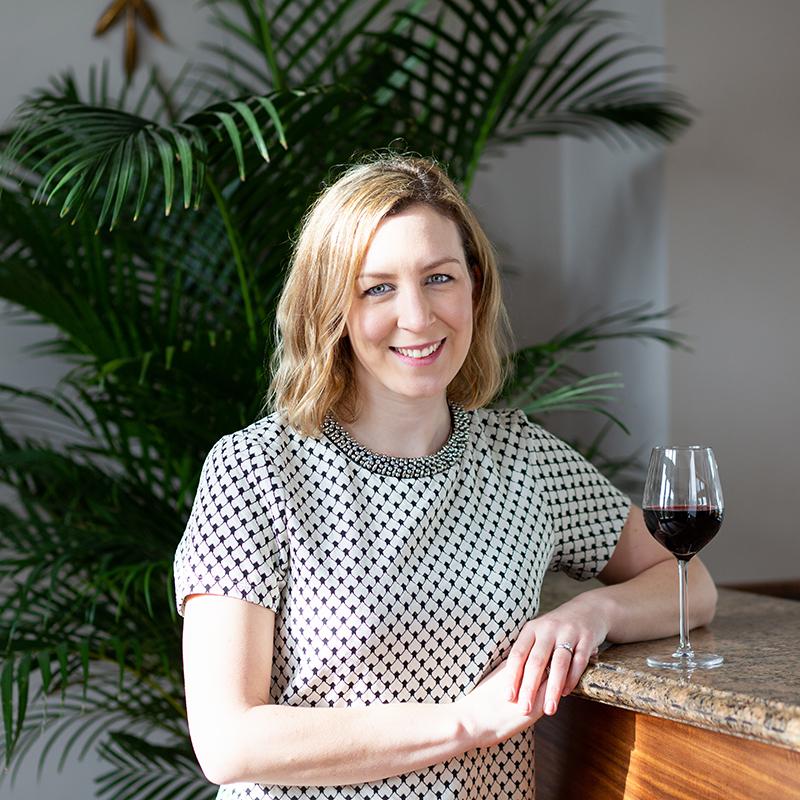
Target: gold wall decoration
{"points": [[130, 10]]}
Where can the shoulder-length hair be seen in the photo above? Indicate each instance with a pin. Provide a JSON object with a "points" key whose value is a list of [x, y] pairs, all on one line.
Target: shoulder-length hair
{"points": [[312, 364]]}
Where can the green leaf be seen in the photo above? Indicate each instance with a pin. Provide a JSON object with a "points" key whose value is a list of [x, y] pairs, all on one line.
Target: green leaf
{"points": [[236, 141], [185, 157], [250, 120], [145, 163], [166, 156], [147, 599], [269, 107], [23, 675], [43, 659], [61, 653], [6, 689]]}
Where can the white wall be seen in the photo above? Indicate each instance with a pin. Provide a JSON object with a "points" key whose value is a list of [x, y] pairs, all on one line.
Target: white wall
{"points": [[734, 237]]}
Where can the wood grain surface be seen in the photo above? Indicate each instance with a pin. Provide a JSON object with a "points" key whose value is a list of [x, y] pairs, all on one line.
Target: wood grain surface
{"points": [[589, 750]]}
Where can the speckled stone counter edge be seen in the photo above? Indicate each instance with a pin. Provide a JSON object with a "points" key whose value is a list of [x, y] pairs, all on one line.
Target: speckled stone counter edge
{"points": [[725, 712]]}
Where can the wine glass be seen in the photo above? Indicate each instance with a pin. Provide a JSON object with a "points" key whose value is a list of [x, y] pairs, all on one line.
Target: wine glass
{"points": [[683, 510]]}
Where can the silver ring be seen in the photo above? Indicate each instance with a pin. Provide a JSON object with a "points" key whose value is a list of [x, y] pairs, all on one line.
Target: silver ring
{"points": [[567, 646]]}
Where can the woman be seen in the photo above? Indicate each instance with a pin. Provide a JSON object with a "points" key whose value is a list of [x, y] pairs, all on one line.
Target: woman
{"points": [[361, 568]]}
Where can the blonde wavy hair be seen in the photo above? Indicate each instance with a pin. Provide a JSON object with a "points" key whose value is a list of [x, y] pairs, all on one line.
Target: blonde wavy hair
{"points": [[312, 365]]}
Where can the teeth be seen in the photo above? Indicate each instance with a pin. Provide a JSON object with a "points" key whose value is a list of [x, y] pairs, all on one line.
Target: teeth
{"points": [[418, 353]]}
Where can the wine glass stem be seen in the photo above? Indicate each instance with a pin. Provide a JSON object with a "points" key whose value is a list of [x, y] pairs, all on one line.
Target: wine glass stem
{"points": [[685, 648]]}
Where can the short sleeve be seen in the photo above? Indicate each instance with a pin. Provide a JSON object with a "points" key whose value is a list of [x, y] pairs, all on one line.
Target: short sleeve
{"points": [[587, 511], [232, 541]]}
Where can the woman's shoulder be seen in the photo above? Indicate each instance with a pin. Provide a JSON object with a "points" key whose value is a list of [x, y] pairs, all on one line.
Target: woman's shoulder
{"points": [[503, 423], [500, 418], [264, 439], [509, 419], [500, 428]]}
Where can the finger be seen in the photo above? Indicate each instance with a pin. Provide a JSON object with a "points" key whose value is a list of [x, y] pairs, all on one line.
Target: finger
{"points": [[538, 659], [517, 658], [537, 709], [576, 669], [559, 669]]}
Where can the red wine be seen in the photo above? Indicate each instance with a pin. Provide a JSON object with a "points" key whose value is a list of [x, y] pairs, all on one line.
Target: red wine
{"points": [[683, 530]]}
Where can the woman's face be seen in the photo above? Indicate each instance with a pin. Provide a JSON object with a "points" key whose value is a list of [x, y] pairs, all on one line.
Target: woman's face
{"points": [[410, 322]]}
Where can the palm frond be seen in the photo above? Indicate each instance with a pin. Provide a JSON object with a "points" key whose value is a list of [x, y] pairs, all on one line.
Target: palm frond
{"points": [[635, 322], [140, 768], [481, 76], [317, 41], [590, 393], [542, 379], [79, 148]]}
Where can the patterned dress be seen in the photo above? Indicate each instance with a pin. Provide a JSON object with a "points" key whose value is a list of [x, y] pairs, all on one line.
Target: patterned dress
{"points": [[396, 579]]}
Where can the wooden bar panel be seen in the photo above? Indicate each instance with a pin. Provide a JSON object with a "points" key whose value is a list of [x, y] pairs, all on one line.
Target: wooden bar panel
{"points": [[591, 751]]}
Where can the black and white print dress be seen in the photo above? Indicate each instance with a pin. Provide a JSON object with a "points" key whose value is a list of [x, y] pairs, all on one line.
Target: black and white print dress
{"points": [[396, 579]]}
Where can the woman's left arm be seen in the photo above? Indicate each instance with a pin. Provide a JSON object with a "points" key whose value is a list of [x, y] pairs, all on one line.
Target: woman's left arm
{"points": [[639, 601]]}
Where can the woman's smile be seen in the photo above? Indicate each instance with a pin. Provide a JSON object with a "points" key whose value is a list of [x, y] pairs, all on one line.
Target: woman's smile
{"points": [[420, 355]]}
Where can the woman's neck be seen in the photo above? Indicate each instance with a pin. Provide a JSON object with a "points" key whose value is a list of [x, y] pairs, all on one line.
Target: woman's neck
{"points": [[402, 428]]}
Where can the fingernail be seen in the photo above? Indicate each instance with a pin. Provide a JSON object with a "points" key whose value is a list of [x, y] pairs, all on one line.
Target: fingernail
{"points": [[527, 708], [551, 707], [511, 693]]}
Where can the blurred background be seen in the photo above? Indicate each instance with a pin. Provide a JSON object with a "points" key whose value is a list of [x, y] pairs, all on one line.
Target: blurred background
{"points": [[709, 223]]}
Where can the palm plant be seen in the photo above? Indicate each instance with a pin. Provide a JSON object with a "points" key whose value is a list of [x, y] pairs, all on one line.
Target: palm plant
{"points": [[129, 225]]}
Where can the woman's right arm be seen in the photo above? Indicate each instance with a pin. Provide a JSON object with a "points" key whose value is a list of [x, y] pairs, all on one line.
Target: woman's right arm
{"points": [[238, 736]]}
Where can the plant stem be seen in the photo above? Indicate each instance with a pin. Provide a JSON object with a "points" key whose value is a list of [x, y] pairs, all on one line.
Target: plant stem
{"points": [[237, 257], [269, 50]]}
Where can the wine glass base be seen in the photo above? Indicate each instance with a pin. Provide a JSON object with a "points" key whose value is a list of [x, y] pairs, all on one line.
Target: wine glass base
{"points": [[688, 661]]}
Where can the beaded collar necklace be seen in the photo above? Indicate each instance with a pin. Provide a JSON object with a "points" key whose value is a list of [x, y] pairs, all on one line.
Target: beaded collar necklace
{"points": [[394, 466]]}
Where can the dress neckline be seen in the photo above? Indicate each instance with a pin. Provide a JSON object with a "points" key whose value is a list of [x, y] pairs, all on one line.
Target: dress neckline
{"points": [[394, 466]]}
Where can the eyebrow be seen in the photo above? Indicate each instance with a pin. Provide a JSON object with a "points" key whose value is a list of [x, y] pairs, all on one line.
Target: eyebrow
{"points": [[384, 275]]}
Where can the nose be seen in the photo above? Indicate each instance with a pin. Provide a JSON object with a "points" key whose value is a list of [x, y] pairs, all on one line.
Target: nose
{"points": [[414, 311]]}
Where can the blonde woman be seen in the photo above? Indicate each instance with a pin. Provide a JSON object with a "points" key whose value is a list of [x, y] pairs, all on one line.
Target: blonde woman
{"points": [[359, 577]]}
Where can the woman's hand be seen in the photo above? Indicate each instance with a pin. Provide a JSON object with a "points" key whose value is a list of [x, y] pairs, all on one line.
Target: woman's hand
{"points": [[489, 717], [577, 623]]}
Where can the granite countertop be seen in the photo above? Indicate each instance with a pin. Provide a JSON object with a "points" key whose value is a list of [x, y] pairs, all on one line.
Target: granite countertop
{"points": [[754, 694]]}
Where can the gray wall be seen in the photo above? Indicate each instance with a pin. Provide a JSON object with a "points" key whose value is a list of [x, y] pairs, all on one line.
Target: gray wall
{"points": [[734, 208]]}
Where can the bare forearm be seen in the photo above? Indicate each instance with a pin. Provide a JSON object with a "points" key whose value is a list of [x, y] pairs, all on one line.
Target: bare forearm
{"points": [[302, 746], [646, 606]]}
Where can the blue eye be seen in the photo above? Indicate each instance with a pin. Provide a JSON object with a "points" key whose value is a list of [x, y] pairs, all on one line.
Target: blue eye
{"points": [[442, 275], [372, 293]]}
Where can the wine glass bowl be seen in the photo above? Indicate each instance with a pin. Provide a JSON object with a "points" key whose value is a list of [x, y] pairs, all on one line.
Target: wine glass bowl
{"points": [[683, 510]]}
